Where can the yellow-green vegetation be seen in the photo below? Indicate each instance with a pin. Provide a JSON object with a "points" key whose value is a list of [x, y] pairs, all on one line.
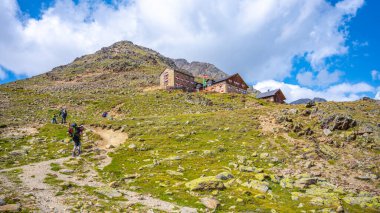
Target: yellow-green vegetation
{"points": [[49, 143], [249, 154]]}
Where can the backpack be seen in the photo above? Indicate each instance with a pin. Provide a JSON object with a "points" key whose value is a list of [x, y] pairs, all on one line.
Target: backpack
{"points": [[74, 131]]}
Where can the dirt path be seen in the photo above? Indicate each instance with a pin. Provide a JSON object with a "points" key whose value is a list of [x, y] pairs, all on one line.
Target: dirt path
{"points": [[109, 137], [33, 176]]}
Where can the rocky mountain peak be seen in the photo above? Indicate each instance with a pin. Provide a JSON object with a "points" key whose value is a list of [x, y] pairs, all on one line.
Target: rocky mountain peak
{"points": [[200, 68]]}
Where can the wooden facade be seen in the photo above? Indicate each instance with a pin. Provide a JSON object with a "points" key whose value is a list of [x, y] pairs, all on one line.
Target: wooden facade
{"points": [[176, 79], [231, 84], [273, 96]]}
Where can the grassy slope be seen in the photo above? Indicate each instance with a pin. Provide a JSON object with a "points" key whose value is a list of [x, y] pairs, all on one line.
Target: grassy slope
{"points": [[208, 138]]}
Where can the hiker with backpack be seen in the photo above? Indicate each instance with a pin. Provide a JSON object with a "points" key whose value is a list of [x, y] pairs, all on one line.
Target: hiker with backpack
{"points": [[63, 115], [75, 133]]}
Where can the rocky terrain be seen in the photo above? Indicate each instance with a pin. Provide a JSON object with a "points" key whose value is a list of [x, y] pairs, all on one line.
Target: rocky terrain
{"points": [[169, 151], [200, 68], [307, 100]]}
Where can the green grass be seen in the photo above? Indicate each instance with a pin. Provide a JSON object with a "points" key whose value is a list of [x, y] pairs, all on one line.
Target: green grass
{"points": [[165, 124]]}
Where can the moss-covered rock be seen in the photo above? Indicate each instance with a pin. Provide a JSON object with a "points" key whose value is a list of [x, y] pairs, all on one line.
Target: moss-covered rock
{"points": [[287, 183], [257, 185], [205, 183]]}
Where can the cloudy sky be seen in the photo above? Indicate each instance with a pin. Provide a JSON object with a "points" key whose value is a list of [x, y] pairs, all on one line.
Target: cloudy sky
{"points": [[323, 48]]}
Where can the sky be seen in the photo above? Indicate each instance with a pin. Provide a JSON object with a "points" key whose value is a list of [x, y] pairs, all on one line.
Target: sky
{"points": [[315, 48]]}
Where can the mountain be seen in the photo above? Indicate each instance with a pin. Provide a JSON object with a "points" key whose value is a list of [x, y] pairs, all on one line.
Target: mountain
{"points": [[200, 68], [171, 151], [307, 100], [120, 65]]}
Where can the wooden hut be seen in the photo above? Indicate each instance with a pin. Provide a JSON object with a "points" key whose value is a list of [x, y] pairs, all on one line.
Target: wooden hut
{"points": [[274, 96], [230, 84]]}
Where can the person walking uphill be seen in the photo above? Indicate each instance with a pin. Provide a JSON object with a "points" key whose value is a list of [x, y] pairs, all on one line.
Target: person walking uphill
{"points": [[63, 115], [75, 133]]}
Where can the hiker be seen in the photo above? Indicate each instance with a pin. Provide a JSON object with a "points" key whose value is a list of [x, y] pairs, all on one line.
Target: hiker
{"points": [[63, 115], [75, 133], [105, 114], [54, 119]]}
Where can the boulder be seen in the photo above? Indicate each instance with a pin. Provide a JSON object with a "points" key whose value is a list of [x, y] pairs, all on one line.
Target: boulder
{"points": [[109, 192], [257, 185], [10, 208], [224, 176], [210, 203], [305, 182], [205, 183], [310, 104], [317, 201], [187, 210], [131, 176], [17, 152], [250, 169], [338, 122], [293, 111], [327, 151], [66, 171], [261, 176], [174, 173], [260, 196], [327, 132], [287, 183], [132, 146]]}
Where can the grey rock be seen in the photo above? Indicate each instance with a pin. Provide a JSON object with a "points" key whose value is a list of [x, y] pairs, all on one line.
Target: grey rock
{"points": [[327, 132], [224, 176], [66, 171], [10, 208], [109, 192], [132, 146], [187, 210], [210, 203]]}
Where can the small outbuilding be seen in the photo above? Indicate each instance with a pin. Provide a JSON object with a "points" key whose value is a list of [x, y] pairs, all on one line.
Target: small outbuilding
{"points": [[177, 79], [273, 96]]}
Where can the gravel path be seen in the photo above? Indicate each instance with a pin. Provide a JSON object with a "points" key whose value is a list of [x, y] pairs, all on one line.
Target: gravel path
{"points": [[33, 176]]}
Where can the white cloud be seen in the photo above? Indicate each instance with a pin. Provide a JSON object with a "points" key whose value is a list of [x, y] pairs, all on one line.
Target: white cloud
{"points": [[339, 92], [3, 74], [258, 38], [377, 96], [375, 75], [323, 78]]}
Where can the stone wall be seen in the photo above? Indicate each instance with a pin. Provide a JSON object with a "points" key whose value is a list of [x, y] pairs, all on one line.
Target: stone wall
{"points": [[167, 79], [171, 79], [219, 87]]}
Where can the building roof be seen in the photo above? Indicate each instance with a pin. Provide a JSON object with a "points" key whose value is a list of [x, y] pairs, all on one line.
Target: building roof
{"points": [[185, 72], [267, 94], [226, 78]]}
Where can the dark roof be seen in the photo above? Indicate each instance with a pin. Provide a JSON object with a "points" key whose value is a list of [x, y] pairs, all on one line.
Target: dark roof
{"points": [[267, 94], [185, 72], [224, 79]]}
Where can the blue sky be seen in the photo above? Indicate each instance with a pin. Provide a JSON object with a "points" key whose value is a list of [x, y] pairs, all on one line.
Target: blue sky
{"points": [[314, 48]]}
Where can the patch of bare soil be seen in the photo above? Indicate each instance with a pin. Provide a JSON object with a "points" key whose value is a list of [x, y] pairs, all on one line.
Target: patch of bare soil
{"points": [[17, 132], [33, 177], [109, 137]]}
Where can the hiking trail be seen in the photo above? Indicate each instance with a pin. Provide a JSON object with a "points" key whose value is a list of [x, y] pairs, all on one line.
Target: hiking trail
{"points": [[33, 177]]}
